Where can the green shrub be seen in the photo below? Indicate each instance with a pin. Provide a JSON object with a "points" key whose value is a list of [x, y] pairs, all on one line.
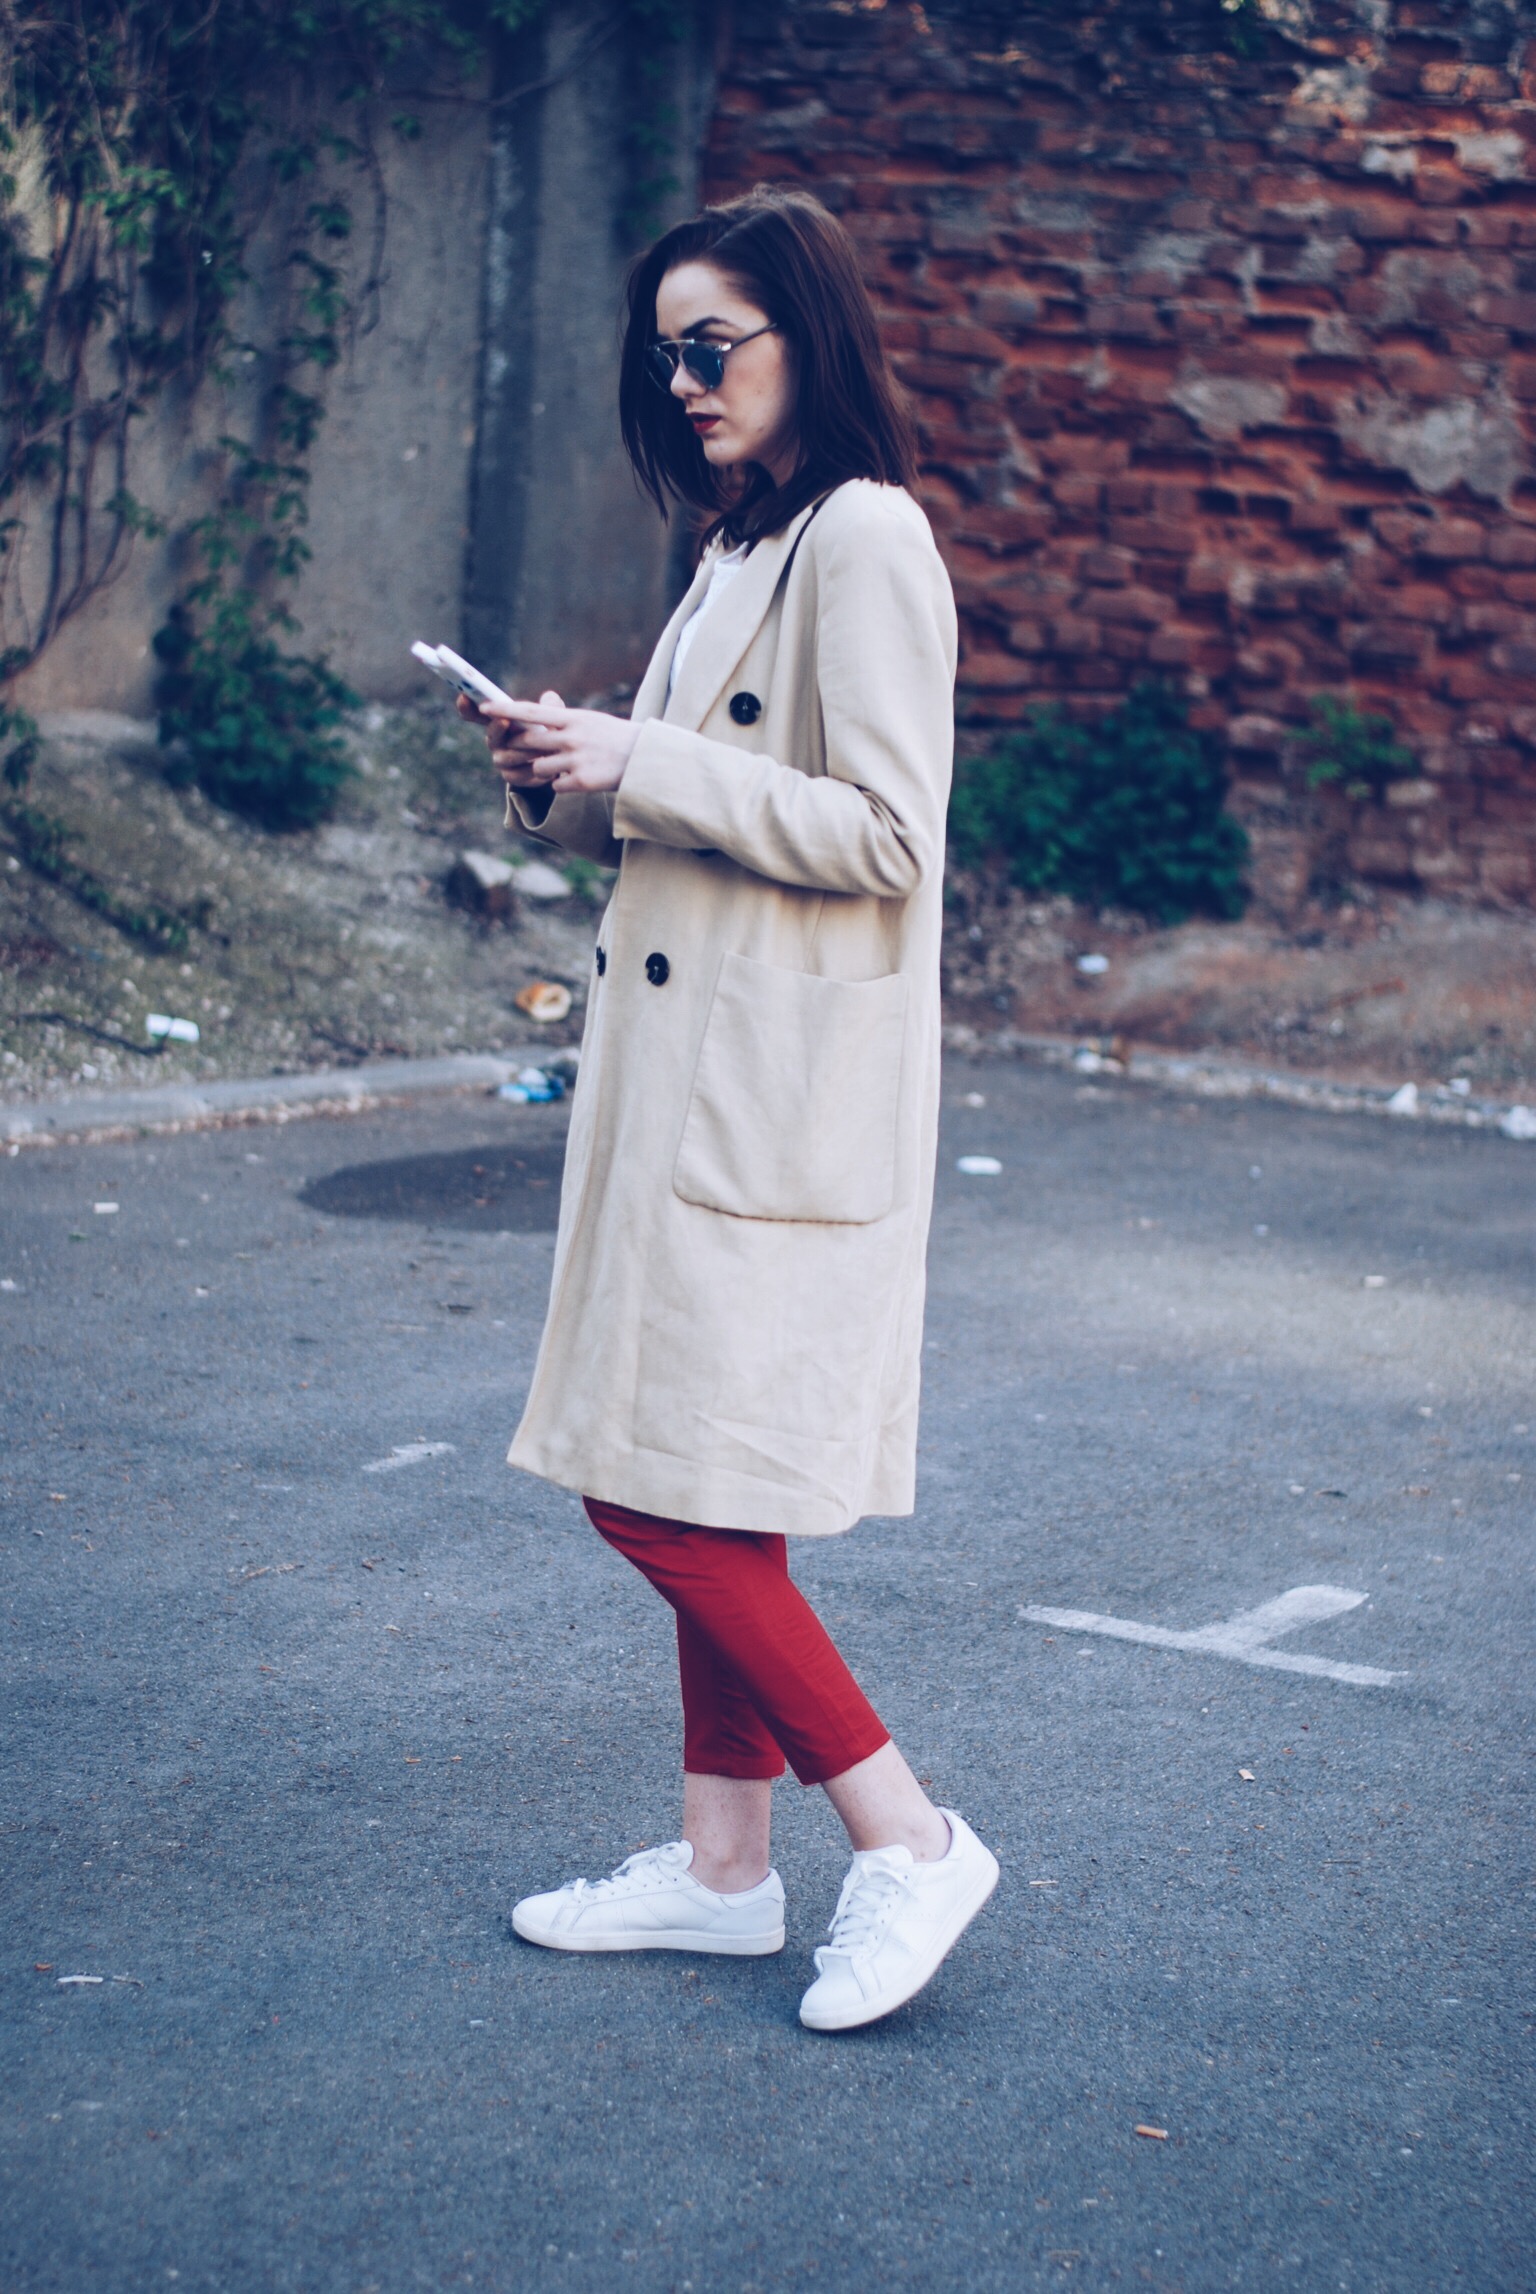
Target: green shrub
{"points": [[253, 726], [1353, 748], [1125, 812]]}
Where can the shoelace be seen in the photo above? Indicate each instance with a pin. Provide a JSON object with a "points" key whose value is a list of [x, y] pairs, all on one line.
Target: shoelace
{"points": [[862, 1907], [635, 1871]]}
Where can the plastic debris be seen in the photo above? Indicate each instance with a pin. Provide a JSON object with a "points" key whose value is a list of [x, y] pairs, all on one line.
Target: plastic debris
{"points": [[1103, 1055], [536, 880], [532, 1086], [1404, 1101], [104, 1210], [544, 1001], [973, 1099], [1461, 1085], [1247, 1776], [1519, 1123], [1093, 965], [1373, 1282], [408, 1454], [979, 1166], [64, 1981], [161, 1024], [1153, 2134], [9, 1284]]}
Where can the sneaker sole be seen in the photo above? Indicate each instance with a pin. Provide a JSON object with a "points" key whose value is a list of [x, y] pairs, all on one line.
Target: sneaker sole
{"points": [[665, 1939], [871, 2010]]}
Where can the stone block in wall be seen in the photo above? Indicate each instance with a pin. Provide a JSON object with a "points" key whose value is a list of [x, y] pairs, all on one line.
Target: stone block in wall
{"points": [[1253, 734], [1281, 861], [994, 673], [1135, 607], [1109, 568], [1387, 645], [1444, 540]]}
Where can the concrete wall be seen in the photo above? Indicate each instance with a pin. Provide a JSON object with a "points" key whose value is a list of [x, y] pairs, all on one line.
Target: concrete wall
{"points": [[468, 483], [568, 573]]}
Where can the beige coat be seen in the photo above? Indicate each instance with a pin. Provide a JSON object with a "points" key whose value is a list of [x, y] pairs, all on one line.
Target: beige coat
{"points": [[735, 1323]]}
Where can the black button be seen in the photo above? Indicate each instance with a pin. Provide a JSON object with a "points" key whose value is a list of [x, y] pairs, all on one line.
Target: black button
{"points": [[657, 970], [602, 962], [745, 708]]}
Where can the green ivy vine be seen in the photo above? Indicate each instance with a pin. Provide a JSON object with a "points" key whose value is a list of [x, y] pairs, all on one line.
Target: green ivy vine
{"points": [[139, 141]]}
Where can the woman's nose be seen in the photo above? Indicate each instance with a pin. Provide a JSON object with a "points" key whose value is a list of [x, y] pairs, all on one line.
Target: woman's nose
{"points": [[684, 384]]}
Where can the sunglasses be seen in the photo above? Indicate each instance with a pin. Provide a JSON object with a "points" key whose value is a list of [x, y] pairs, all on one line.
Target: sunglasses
{"points": [[704, 361]]}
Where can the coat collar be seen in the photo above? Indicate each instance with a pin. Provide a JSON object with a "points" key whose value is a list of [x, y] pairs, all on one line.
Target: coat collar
{"points": [[724, 635]]}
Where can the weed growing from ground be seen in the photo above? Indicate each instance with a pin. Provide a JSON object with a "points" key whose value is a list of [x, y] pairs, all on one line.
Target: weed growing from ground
{"points": [[1353, 749]]}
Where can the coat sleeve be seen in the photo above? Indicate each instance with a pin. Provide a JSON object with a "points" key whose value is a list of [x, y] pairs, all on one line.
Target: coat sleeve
{"points": [[578, 824], [874, 824]]}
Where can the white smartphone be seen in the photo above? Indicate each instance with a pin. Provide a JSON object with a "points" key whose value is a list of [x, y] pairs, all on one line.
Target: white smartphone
{"points": [[462, 675]]}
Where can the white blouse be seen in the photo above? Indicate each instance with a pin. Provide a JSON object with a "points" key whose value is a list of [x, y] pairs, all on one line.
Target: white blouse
{"points": [[724, 572]]}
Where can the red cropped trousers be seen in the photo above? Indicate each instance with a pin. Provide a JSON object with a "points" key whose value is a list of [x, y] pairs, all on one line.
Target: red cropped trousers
{"points": [[761, 1680]]}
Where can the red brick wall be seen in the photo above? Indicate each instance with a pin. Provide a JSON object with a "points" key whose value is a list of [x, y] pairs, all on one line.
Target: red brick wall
{"points": [[1225, 363]]}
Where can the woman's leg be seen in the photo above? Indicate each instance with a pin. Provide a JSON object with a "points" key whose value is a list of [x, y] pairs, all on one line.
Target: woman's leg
{"points": [[734, 1590], [748, 1637], [729, 1764], [882, 1805], [918, 1877], [727, 1821]]}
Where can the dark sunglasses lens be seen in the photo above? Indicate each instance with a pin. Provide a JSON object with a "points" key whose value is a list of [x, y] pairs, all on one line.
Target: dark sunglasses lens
{"points": [[706, 363], [661, 363]]}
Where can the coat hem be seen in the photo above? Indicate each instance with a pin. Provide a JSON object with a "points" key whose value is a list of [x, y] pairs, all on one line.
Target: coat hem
{"points": [[678, 1489]]}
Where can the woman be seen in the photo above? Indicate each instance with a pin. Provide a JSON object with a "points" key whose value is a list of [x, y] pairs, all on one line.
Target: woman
{"points": [[734, 1331]]}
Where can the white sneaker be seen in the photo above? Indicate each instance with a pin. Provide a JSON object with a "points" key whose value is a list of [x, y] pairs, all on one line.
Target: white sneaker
{"points": [[895, 1921], [653, 1903]]}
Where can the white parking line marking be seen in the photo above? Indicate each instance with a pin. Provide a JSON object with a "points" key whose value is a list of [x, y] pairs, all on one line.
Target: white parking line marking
{"points": [[1243, 1638], [408, 1454]]}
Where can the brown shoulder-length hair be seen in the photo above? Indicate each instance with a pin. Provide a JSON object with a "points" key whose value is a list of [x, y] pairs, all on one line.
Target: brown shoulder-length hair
{"points": [[797, 263]]}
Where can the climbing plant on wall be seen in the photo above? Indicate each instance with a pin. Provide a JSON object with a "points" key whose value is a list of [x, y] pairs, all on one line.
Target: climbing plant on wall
{"points": [[142, 142]]}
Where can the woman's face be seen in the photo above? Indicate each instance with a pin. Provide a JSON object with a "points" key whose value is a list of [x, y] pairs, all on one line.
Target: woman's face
{"points": [[751, 416]]}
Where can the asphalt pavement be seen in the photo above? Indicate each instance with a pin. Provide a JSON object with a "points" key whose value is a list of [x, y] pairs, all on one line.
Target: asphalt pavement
{"points": [[303, 1686]]}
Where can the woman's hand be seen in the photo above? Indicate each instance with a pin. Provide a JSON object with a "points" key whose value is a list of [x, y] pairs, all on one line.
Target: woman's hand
{"points": [[545, 745]]}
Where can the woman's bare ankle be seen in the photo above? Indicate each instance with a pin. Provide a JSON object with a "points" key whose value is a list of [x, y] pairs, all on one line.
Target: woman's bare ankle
{"points": [[727, 1822], [882, 1805], [727, 1876]]}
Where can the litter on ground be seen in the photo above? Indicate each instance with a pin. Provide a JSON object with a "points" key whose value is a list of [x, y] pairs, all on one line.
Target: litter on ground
{"points": [[544, 1000], [532, 1086]]}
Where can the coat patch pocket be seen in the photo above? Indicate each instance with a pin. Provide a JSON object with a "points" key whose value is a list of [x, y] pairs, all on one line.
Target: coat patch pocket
{"points": [[795, 1097]]}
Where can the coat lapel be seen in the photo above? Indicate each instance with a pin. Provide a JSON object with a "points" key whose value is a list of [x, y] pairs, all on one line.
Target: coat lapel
{"points": [[727, 629]]}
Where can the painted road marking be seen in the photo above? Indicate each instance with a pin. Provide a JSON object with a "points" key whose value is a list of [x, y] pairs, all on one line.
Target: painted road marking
{"points": [[408, 1454], [1244, 1638]]}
